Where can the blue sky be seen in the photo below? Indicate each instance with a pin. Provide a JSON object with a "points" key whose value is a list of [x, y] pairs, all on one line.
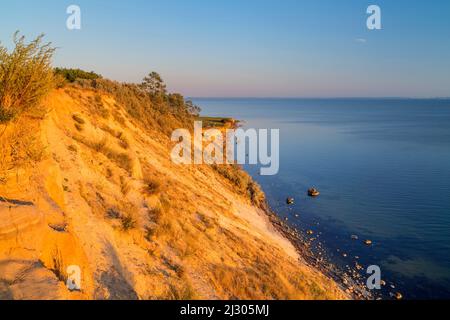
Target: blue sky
{"points": [[279, 48]]}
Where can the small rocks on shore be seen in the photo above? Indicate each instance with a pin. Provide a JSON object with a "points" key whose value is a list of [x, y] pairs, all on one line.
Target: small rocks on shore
{"points": [[396, 296]]}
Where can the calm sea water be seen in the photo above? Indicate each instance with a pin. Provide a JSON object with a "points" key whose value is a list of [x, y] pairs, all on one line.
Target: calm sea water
{"points": [[383, 169]]}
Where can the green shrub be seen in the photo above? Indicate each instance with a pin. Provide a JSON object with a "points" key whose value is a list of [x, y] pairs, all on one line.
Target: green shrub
{"points": [[71, 75], [26, 76]]}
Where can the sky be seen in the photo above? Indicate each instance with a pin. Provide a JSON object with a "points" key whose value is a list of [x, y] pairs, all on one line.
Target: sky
{"points": [[251, 48]]}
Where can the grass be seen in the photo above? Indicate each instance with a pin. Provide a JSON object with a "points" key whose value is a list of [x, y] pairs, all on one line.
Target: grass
{"points": [[125, 187], [244, 183], [121, 159], [113, 213], [99, 108], [20, 146], [119, 135], [155, 214], [128, 222], [123, 141], [151, 186], [164, 112], [78, 119], [79, 127], [183, 292], [208, 222], [125, 215]]}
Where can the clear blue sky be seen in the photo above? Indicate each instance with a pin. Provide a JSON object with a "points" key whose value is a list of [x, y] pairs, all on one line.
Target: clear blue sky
{"points": [[288, 48]]}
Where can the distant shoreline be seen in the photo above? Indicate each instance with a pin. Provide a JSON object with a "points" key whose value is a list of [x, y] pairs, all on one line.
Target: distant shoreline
{"points": [[321, 98]]}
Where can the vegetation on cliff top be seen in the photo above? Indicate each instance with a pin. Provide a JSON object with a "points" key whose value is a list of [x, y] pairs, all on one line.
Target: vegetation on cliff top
{"points": [[26, 76]]}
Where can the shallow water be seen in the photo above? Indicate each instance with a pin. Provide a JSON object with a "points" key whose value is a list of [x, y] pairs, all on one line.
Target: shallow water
{"points": [[383, 169]]}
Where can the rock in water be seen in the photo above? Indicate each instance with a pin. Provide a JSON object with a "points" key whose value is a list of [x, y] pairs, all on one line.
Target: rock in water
{"points": [[290, 201], [313, 192]]}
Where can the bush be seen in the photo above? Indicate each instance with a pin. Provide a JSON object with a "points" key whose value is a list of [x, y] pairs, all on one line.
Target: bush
{"points": [[26, 76], [159, 110], [71, 75]]}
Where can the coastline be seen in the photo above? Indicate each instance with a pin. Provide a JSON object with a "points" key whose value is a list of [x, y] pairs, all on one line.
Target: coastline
{"points": [[354, 288], [301, 242]]}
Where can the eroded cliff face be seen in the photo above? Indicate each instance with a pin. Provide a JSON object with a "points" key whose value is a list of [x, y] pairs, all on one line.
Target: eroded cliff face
{"points": [[102, 194]]}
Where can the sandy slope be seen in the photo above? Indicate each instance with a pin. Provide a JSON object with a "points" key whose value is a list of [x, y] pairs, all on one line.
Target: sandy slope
{"points": [[204, 241]]}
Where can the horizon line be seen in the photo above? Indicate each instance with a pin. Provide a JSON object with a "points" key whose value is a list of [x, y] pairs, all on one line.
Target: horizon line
{"points": [[317, 98]]}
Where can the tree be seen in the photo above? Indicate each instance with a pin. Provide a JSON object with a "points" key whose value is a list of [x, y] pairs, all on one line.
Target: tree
{"points": [[192, 108], [154, 84]]}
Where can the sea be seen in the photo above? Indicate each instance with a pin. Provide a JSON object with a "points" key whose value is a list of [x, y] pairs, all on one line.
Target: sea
{"points": [[382, 167]]}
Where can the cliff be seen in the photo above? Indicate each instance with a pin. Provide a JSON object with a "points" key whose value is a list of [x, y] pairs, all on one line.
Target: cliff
{"points": [[84, 183]]}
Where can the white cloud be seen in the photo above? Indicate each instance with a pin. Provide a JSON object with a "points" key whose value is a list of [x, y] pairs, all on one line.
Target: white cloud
{"points": [[361, 40]]}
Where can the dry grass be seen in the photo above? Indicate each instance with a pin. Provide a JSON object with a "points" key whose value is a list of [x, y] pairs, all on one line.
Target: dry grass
{"points": [[180, 292], [163, 112], [246, 186], [151, 187], [78, 119], [128, 222], [98, 107], [124, 186], [122, 160], [119, 135], [123, 141], [20, 146]]}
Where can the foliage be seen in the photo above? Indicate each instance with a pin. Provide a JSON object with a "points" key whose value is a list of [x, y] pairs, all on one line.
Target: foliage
{"points": [[244, 183], [154, 108], [71, 75], [154, 84], [26, 76]]}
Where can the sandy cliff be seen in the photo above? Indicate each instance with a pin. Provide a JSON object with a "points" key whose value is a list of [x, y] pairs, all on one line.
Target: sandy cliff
{"points": [[104, 196]]}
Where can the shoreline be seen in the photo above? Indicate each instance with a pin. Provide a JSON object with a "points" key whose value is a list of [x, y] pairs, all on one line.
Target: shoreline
{"points": [[356, 290], [302, 244]]}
